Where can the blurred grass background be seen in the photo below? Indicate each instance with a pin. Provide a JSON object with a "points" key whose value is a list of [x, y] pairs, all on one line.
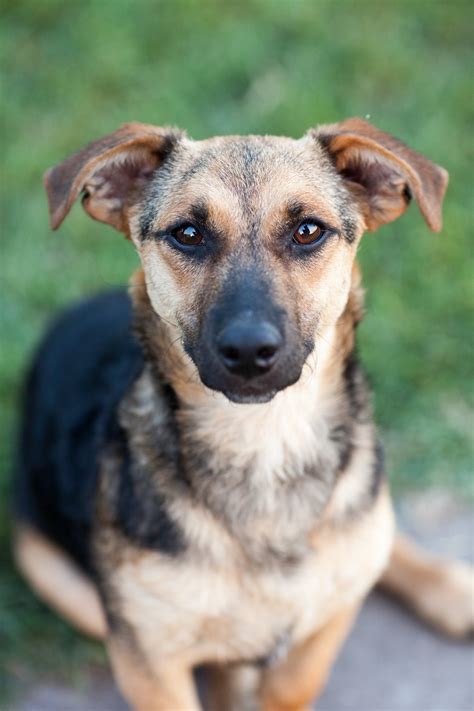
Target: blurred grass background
{"points": [[73, 71]]}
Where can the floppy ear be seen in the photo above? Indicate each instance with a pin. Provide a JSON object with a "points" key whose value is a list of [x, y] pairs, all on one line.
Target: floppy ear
{"points": [[383, 173], [111, 172]]}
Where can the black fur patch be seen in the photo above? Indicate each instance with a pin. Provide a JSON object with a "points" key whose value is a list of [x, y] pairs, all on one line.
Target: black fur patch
{"points": [[356, 389], [140, 510], [359, 409], [350, 228], [378, 470], [200, 212], [85, 364], [146, 223], [341, 435]]}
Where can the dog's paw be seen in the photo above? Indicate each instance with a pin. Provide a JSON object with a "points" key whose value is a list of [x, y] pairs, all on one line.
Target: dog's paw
{"points": [[446, 599]]}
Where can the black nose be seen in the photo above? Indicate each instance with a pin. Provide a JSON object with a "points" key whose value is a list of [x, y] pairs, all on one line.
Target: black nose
{"points": [[249, 348]]}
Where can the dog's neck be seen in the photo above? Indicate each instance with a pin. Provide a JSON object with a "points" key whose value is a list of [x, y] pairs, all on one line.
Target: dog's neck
{"points": [[263, 466]]}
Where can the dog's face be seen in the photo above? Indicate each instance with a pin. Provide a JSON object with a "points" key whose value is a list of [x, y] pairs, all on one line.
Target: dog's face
{"points": [[247, 243]]}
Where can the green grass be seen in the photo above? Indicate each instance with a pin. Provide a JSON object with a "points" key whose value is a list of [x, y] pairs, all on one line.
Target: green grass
{"points": [[73, 71]]}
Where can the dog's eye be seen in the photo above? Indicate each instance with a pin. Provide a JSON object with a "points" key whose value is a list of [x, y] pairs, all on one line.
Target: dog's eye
{"points": [[188, 235], [308, 233]]}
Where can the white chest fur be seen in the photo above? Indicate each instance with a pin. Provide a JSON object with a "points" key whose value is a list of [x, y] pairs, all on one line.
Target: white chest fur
{"points": [[230, 612]]}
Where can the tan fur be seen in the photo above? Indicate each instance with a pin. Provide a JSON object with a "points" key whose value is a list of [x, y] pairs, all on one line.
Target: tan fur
{"points": [[135, 144], [440, 592], [169, 688], [234, 611], [292, 685], [355, 141], [59, 582], [286, 531]]}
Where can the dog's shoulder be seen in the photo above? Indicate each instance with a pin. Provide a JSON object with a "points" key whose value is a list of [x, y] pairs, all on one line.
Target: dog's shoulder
{"points": [[80, 373], [139, 469]]}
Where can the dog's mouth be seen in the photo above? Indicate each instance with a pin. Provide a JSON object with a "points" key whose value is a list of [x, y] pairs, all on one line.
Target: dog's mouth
{"points": [[250, 392], [250, 398]]}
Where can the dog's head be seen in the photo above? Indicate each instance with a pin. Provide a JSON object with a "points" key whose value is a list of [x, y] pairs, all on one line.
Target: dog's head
{"points": [[247, 243]]}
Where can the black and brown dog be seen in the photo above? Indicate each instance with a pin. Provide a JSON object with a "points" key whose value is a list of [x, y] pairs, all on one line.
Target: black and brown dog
{"points": [[199, 478]]}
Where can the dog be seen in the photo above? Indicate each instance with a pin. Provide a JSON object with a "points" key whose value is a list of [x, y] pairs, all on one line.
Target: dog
{"points": [[199, 478]]}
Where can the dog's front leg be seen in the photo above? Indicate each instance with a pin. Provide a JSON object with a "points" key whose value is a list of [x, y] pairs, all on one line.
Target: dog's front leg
{"points": [[441, 592], [166, 686], [232, 688], [296, 682]]}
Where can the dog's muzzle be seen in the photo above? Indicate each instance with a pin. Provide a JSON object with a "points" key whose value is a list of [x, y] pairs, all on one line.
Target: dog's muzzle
{"points": [[247, 346], [248, 360]]}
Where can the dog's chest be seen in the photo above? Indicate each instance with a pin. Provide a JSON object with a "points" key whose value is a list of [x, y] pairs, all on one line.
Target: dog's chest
{"points": [[265, 475], [229, 611]]}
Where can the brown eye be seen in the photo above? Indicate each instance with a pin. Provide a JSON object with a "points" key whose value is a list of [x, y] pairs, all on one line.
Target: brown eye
{"points": [[188, 235], [307, 233]]}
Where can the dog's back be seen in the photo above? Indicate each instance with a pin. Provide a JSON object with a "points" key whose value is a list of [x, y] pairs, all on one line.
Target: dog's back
{"points": [[81, 371]]}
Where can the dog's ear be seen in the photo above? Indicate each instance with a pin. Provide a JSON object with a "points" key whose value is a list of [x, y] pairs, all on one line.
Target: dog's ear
{"points": [[383, 173], [110, 172]]}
